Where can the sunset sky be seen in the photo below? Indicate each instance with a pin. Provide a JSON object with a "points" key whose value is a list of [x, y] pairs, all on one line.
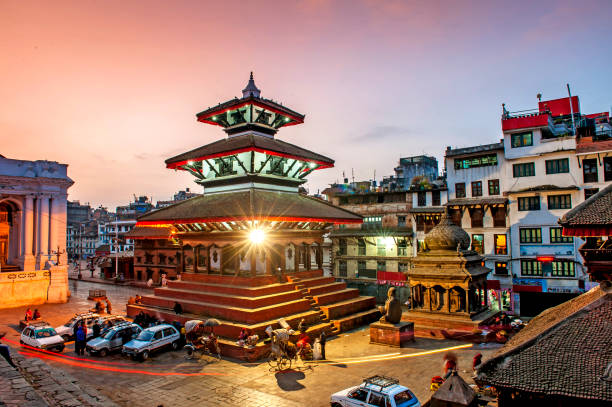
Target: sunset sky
{"points": [[112, 87]]}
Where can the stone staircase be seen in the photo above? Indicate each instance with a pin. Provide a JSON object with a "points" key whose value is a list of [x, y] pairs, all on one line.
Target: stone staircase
{"points": [[258, 302]]}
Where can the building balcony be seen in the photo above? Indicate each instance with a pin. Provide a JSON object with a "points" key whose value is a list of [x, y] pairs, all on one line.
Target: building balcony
{"points": [[525, 121], [368, 231]]}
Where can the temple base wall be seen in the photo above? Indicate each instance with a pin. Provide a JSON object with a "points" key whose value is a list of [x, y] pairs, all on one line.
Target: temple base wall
{"points": [[32, 287], [394, 335]]}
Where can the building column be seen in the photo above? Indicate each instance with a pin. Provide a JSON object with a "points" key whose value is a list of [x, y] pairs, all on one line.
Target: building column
{"points": [[253, 258], [237, 263], [54, 244], [43, 246], [182, 258], [283, 259], [195, 259], [268, 264], [28, 235], [307, 261], [296, 258], [448, 300]]}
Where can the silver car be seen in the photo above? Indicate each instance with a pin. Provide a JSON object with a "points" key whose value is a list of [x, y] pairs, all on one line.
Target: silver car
{"points": [[152, 339], [113, 339]]}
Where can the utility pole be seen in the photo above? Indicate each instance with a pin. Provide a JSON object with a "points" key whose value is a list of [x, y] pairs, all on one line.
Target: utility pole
{"points": [[571, 109], [116, 246], [80, 248]]}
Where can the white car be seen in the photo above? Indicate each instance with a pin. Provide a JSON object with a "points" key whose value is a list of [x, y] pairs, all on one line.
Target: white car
{"points": [[42, 336], [67, 330], [152, 339], [377, 391]]}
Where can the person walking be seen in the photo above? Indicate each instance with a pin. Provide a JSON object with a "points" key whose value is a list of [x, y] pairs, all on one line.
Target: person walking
{"points": [[322, 340], [79, 341], [108, 307]]}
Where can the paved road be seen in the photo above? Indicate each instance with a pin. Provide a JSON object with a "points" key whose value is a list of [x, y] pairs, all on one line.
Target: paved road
{"points": [[171, 380]]}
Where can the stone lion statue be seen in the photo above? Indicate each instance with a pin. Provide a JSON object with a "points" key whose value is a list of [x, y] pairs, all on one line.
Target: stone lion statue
{"points": [[392, 311]]}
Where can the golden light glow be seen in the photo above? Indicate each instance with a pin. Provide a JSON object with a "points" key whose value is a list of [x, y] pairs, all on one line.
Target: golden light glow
{"points": [[257, 236], [389, 242]]}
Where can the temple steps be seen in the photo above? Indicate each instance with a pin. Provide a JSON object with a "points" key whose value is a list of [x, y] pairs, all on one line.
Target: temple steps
{"points": [[344, 308], [336, 296], [7, 268], [243, 291], [313, 282], [229, 329], [232, 313], [228, 299], [242, 281], [325, 288], [354, 320]]}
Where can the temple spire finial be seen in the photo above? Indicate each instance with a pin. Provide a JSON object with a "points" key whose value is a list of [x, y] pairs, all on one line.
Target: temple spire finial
{"points": [[251, 89]]}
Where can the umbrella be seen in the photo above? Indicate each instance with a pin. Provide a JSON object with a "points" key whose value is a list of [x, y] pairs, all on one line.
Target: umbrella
{"points": [[212, 322], [190, 325]]}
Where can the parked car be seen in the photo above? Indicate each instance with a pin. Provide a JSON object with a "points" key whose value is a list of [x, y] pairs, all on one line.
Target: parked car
{"points": [[109, 321], [67, 330], [379, 391], [113, 338], [151, 340], [41, 335]]}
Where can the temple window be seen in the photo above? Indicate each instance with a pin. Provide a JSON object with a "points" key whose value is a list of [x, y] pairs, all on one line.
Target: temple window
{"points": [[476, 216], [531, 268], [342, 247], [478, 243], [460, 190], [361, 247], [342, 268], [501, 244], [493, 187], [435, 197]]}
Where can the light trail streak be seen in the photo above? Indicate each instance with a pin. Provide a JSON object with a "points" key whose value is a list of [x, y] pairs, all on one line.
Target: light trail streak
{"points": [[378, 358], [65, 356], [116, 370]]}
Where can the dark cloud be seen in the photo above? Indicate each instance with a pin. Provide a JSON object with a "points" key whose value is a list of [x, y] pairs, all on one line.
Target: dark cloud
{"points": [[386, 133]]}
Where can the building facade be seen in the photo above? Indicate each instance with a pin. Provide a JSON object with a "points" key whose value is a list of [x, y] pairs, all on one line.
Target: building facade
{"points": [[477, 204], [108, 232], [33, 196]]}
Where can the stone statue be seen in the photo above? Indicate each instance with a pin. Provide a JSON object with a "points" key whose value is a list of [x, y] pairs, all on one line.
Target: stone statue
{"points": [[392, 310]]}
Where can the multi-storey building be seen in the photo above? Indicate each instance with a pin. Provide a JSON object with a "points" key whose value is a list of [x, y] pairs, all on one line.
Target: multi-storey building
{"points": [[476, 203], [379, 252], [178, 197], [546, 174], [140, 206], [108, 231], [409, 168]]}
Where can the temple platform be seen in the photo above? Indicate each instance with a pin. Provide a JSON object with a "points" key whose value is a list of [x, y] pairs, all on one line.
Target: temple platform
{"points": [[449, 326], [258, 302]]}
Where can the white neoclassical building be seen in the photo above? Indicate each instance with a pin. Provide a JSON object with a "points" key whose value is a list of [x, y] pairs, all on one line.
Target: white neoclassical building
{"points": [[33, 266]]}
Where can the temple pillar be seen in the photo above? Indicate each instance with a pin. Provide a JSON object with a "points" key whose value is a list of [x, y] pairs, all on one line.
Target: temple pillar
{"points": [[237, 263], [195, 258], [253, 258], [182, 258], [296, 258], [307, 260], [268, 264], [319, 252], [283, 259], [448, 300]]}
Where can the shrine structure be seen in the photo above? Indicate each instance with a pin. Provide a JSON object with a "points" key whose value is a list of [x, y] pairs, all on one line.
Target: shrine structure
{"points": [[249, 249], [448, 285]]}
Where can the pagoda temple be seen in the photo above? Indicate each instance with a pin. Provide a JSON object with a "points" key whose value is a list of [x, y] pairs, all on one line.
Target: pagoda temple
{"points": [[248, 250], [448, 285]]}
